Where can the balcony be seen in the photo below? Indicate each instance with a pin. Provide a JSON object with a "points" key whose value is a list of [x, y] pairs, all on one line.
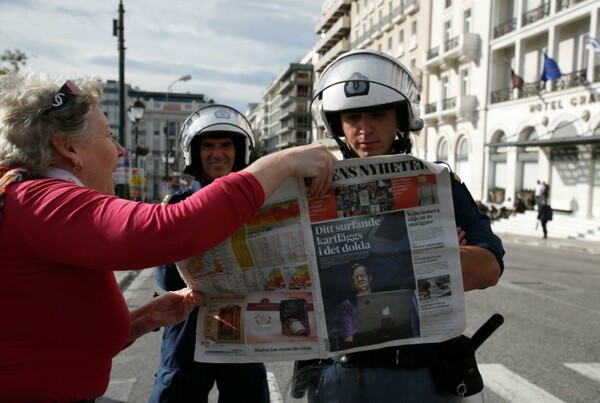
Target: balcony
{"points": [[503, 95], [574, 79], [333, 13], [571, 80], [386, 23], [411, 7], [505, 28], [376, 31], [564, 4], [461, 49], [339, 30], [398, 14], [342, 46], [536, 14], [449, 110]]}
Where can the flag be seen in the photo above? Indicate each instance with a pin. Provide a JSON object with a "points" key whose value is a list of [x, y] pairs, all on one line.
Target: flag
{"points": [[551, 70], [593, 42], [516, 81]]}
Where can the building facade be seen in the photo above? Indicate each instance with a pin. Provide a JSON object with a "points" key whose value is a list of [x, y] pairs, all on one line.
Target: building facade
{"points": [[285, 119], [479, 65], [157, 131], [547, 130]]}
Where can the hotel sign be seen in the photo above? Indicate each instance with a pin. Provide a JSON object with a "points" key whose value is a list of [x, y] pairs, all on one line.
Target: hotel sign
{"points": [[561, 103]]}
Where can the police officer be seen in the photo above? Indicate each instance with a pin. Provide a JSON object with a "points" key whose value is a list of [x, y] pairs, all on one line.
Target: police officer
{"points": [[368, 103], [215, 141]]}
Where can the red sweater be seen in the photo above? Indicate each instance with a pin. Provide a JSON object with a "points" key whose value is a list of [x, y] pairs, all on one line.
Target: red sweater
{"points": [[62, 315]]}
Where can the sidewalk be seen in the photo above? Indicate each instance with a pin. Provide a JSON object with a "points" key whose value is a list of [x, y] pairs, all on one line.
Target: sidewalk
{"points": [[124, 278], [591, 247]]}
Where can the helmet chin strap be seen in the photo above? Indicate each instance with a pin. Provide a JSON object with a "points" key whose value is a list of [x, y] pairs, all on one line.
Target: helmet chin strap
{"points": [[402, 145], [344, 149]]}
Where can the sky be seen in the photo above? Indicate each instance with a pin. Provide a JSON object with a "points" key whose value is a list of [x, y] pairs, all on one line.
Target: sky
{"points": [[233, 49]]}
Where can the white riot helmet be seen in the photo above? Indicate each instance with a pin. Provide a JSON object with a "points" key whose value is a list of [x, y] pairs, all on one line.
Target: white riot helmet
{"points": [[366, 80], [215, 121]]}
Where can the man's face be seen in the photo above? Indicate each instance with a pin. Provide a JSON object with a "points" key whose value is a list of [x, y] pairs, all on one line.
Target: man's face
{"points": [[422, 179], [369, 133], [361, 280], [217, 157]]}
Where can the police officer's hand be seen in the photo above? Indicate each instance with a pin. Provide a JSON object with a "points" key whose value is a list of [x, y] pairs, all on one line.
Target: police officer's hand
{"points": [[462, 240]]}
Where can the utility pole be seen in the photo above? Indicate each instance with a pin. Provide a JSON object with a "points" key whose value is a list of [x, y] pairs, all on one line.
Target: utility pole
{"points": [[122, 190], [121, 30]]}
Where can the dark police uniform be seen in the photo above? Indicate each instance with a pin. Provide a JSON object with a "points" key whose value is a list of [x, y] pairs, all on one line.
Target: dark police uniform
{"points": [[384, 374], [179, 378]]}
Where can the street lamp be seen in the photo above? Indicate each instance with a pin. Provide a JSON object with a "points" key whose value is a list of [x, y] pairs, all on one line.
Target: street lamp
{"points": [[187, 77], [135, 113]]}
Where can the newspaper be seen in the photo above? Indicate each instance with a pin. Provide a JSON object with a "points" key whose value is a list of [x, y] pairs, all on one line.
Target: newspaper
{"points": [[281, 287]]}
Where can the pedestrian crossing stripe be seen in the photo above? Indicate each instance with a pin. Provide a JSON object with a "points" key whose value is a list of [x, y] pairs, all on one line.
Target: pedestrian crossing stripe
{"points": [[274, 393], [511, 387], [590, 370]]}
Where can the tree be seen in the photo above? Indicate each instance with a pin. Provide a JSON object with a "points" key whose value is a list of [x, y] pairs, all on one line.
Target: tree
{"points": [[15, 60]]}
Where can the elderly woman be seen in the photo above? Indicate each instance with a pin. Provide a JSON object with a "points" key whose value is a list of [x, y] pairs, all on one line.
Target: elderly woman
{"points": [[63, 232]]}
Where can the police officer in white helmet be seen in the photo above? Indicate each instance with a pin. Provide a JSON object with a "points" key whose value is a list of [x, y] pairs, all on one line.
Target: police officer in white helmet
{"points": [[215, 141], [368, 103]]}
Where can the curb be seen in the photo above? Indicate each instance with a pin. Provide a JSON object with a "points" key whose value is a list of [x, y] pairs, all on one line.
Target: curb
{"points": [[125, 278], [590, 247]]}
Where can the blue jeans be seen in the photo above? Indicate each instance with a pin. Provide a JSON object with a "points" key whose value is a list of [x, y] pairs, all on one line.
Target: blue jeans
{"points": [[339, 384], [237, 383]]}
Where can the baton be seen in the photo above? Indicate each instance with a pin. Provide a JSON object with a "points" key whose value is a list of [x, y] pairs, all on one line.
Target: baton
{"points": [[486, 330]]}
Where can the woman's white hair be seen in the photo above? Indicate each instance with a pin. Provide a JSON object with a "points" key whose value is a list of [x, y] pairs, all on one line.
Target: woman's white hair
{"points": [[28, 122]]}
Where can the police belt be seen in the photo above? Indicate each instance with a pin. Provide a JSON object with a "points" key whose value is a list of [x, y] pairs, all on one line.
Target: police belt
{"points": [[407, 357]]}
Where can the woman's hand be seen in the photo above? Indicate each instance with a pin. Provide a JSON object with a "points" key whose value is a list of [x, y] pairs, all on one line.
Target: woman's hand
{"points": [[166, 309], [173, 307], [312, 161]]}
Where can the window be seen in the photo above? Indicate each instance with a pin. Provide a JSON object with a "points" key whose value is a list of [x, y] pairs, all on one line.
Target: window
{"points": [[467, 21], [445, 87], [462, 159], [464, 81], [442, 151], [447, 31], [401, 42], [389, 44], [413, 35], [448, 3]]}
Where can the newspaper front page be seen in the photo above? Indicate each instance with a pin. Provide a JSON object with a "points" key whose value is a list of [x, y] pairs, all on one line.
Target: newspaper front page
{"points": [[373, 263]]}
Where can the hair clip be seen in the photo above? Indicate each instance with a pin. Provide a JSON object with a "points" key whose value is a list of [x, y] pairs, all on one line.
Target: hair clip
{"points": [[66, 92]]}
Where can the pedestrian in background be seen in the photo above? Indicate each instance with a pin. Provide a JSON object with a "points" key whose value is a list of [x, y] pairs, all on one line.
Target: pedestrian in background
{"points": [[539, 193], [545, 214], [63, 232], [215, 141], [368, 103]]}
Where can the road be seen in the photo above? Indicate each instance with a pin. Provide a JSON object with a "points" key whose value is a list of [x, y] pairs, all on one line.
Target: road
{"points": [[547, 350]]}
